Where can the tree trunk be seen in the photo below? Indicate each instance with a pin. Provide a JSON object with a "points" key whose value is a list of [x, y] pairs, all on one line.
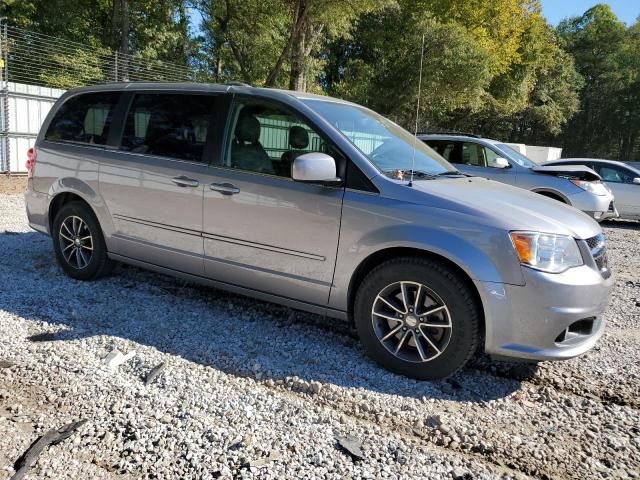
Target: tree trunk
{"points": [[297, 25], [120, 26], [120, 36], [297, 73], [124, 28]]}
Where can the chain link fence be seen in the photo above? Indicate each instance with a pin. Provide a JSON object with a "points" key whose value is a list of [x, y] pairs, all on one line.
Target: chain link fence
{"points": [[35, 69]]}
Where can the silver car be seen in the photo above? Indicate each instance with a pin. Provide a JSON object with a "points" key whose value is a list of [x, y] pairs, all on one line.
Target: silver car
{"points": [[623, 180], [321, 205], [577, 186]]}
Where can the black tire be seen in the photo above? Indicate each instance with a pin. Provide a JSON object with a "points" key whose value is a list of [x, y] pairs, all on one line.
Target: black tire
{"points": [[97, 263], [552, 196], [440, 283]]}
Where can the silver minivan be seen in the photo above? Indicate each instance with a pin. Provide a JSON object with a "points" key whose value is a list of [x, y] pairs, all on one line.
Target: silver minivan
{"points": [[322, 205]]}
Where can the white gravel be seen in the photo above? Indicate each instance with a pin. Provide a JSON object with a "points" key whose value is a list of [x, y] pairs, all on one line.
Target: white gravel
{"points": [[255, 390]]}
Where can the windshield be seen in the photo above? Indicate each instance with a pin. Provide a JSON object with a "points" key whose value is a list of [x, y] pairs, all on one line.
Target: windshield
{"points": [[390, 147], [517, 156]]}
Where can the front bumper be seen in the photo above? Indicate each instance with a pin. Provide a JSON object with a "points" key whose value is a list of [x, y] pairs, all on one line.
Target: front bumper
{"points": [[598, 207], [551, 317]]}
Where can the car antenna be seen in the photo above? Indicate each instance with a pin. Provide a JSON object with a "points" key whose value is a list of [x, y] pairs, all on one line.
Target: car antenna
{"points": [[415, 132]]}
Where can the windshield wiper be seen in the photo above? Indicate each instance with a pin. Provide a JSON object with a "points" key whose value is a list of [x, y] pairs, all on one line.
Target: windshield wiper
{"points": [[406, 174], [451, 173]]}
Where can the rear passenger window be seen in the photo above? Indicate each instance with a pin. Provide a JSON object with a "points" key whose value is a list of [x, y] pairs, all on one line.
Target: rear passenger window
{"points": [[84, 119], [168, 125]]}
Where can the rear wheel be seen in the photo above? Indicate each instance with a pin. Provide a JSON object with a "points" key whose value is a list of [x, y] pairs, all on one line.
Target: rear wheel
{"points": [[79, 244], [417, 317]]}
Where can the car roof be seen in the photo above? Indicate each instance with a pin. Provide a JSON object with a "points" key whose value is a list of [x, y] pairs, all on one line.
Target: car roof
{"points": [[599, 160], [456, 136], [233, 87]]}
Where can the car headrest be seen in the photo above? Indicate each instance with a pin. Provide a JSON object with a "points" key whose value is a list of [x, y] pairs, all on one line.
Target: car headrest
{"points": [[248, 129], [298, 137]]}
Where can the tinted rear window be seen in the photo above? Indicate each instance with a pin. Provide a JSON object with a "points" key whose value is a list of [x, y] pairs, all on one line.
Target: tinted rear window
{"points": [[168, 125], [84, 119]]}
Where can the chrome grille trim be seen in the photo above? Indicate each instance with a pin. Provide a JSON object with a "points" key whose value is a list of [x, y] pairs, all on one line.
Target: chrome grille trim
{"points": [[598, 249]]}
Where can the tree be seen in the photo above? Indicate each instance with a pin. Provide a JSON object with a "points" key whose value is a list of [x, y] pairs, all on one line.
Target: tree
{"points": [[259, 40], [606, 57], [379, 67], [488, 66]]}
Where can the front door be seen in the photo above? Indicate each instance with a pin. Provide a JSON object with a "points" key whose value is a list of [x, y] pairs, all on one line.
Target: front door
{"points": [[153, 185], [261, 229], [626, 193]]}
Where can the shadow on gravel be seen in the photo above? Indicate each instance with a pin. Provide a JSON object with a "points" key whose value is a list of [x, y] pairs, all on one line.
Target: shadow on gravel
{"points": [[234, 334], [624, 224]]}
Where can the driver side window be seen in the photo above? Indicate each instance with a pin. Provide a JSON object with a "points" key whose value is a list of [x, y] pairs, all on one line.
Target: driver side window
{"points": [[613, 174], [267, 139], [491, 157]]}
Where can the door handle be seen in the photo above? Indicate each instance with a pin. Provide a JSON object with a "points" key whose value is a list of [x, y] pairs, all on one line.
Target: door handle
{"points": [[183, 181], [224, 188]]}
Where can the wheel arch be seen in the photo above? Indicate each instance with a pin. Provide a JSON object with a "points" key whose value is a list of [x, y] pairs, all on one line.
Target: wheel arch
{"points": [[381, 256], [66, 190], [553, 194], [59, 201]]}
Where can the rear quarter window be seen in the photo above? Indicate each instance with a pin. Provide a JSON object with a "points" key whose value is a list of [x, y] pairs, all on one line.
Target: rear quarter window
{"points": [[84, 119]]}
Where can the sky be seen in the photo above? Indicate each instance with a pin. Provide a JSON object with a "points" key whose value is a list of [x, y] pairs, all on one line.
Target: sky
{"points": [[558, 10]]}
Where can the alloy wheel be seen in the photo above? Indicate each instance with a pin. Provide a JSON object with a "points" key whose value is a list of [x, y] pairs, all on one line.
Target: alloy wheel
{"points": [[411, 321], [76, 242]]}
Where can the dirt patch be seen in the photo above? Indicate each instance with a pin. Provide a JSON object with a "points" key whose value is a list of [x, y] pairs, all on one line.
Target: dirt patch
{"points": [[12, 184]]}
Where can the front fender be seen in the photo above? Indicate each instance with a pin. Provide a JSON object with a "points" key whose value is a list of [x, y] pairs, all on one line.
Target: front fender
{"points": [[483, 253]]}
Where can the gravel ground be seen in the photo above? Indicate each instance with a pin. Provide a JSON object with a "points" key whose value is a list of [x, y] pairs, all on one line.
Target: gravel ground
{"points": [[255, 390]]}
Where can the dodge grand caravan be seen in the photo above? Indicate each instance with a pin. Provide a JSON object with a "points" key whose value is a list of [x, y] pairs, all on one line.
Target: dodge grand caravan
{"points": [[322, 205]]}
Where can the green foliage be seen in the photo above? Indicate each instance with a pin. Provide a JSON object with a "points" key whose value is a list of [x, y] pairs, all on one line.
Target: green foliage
{"points": [[273, 42], [491, 67], [72, 70], [607, 55], [379, 67]]}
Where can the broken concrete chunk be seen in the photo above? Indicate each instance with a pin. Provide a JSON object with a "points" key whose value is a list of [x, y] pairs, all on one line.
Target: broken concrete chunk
{"points": [[116, 358], [155, 371], [350, 445]]}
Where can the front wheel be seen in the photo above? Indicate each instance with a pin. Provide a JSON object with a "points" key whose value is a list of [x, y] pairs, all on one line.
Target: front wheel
{"points": [[417, 317], [79, 244]]}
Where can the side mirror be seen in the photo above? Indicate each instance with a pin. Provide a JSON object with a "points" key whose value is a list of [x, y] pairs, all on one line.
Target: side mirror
{"points": [[500, 162], [314, 167], [636, 181]]}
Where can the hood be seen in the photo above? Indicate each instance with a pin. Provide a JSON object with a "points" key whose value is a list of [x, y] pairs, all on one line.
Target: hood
{"points": [[507, 207], [579, 172]]}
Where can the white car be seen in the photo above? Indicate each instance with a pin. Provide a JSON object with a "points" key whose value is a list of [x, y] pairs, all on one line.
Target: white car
{"points": [[623, 180]]}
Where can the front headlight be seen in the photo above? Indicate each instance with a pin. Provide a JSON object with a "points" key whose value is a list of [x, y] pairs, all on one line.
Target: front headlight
{"points": [[597, 188], [547, 252]]}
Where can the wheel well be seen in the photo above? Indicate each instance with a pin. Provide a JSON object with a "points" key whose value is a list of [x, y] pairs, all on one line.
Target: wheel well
{"points": [[552, 195], [382, 256], [60, 200]]}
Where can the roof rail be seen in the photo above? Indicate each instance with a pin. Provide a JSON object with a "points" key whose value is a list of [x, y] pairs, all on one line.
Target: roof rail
{"points": [[236, 83], [449, 132]]}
